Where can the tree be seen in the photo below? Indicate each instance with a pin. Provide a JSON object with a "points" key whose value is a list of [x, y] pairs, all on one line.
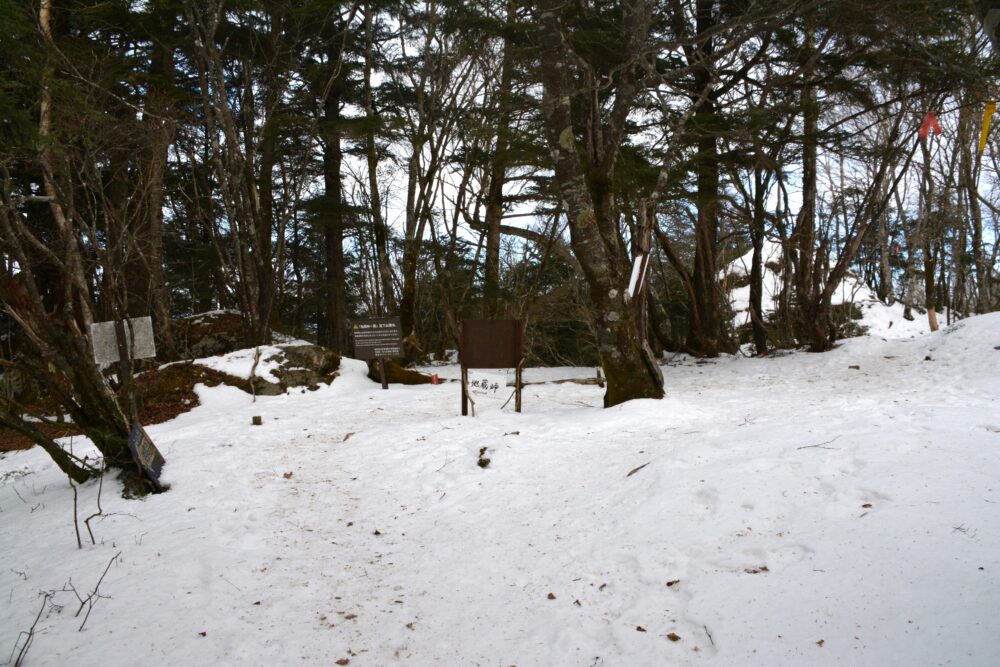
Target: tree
{"points": [[590, 86]]}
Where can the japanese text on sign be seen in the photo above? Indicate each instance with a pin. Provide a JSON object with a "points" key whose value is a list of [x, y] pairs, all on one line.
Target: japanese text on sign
{"points": [[377, 337], [144, 451], [490, 386]]}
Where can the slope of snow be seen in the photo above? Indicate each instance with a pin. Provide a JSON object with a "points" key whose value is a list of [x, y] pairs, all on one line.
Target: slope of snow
{"points": [[879, 319], [786, 510]]}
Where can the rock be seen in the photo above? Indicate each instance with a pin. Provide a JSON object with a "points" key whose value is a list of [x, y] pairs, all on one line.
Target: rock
{"points": [[209, 334], [302, 365]]}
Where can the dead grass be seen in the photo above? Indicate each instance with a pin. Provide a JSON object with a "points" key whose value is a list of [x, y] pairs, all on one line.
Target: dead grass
{"points": [[162, 395]]}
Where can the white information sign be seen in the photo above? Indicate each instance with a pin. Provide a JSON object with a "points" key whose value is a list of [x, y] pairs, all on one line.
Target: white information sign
{"points": [[139, 330], [487, 387]]}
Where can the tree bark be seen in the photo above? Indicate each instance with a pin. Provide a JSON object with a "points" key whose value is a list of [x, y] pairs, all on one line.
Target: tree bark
{"points": [[704, 338], [498, 173], [585, 180], [335, 287], [381, 230]]}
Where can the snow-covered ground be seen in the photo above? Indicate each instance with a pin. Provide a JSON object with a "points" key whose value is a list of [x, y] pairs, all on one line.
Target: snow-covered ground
{"points": [[877, 317], [786, 510]]}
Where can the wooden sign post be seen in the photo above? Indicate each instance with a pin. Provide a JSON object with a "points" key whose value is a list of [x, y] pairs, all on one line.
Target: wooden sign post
{"points": [[378, 338], [491, 344], [122, 341]]}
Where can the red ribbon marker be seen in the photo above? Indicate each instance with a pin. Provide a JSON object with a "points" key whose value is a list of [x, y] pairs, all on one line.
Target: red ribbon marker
{"points": [[930, 125]]}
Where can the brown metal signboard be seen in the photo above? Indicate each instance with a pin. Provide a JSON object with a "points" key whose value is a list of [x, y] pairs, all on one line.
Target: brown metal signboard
{"points": [[491, 344], [377, 337]]}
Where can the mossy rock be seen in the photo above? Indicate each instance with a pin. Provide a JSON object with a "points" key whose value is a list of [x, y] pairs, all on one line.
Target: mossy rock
{"points": [[301, 366], [396, 373], [209, 334]]}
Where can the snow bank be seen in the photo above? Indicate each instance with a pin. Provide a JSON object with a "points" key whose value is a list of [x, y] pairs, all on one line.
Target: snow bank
{"points": [[878, 318]]}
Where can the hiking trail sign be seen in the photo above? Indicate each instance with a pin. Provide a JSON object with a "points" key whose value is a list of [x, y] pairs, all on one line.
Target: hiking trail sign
{"points": [[122, 341], [377, 338], [145, 453], [491, 344]]}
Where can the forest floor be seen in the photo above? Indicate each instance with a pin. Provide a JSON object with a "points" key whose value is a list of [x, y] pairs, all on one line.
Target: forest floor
{"points": [[828, 509]]}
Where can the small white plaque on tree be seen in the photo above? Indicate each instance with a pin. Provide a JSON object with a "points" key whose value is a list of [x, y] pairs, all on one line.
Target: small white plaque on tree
{"points": [[138, 332]]}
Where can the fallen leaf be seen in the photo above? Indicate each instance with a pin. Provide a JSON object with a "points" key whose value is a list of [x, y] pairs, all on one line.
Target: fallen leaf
{"points": [[639, 628], [820, 643], [674, 637], [756, 570], [257, 603], [287, 475], [867, 505], [344, 661], [376, 532], [202, 634], [577, 602], [345, 440], [552, 596], [674, 582], [601, 587], [635, 470], [854, 368], [409, 626]]}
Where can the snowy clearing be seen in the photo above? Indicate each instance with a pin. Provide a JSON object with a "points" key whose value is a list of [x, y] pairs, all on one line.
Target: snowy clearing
{"points": [[778, 511]]}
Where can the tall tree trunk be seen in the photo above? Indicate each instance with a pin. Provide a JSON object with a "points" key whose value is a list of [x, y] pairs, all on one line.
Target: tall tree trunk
{"points": [[335, 284], [706, 326], [969, 166], [628, 362], [498, 173], [757, 264], [159, 134], [381, 230], [928, 234], [804, 236], [885, 288]]}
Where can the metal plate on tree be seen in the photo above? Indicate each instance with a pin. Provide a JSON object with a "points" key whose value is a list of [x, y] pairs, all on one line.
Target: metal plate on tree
{"points": [[491, 343], [139, 331], [376, 337], [144, 451]]}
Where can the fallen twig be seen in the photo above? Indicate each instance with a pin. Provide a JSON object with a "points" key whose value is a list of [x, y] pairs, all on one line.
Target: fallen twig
{"points": [[100, 511], [30, 634], [820, 445], [94, 596]]}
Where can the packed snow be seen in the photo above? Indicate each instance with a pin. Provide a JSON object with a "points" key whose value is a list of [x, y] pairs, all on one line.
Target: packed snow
{"points": [[829, 509]]}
